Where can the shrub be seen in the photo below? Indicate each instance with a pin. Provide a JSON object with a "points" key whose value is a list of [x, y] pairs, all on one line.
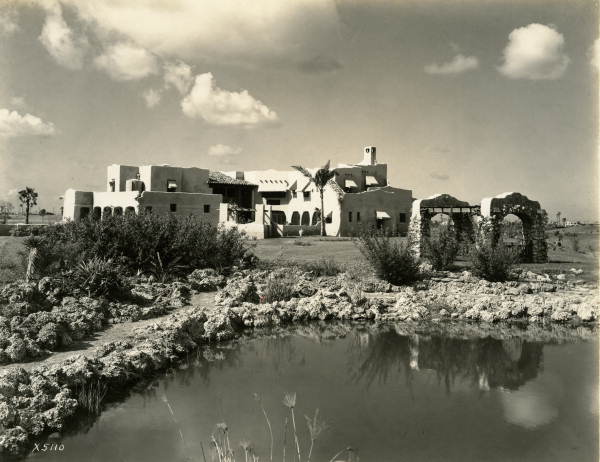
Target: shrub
{"points": [[492, 262], [391, 259], [97, 277], [278, 289], [134, 241], [441, 249], [322, 267]]}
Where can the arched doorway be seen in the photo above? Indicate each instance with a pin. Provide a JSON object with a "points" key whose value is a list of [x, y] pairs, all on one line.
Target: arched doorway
{"points": [[130, 211], [106, 212], [118, 211], [512, 233], [305, 219], [295, 219]]}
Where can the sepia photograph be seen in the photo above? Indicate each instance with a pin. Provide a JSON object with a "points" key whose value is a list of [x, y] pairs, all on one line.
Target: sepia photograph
{"points": [[299, 230]]}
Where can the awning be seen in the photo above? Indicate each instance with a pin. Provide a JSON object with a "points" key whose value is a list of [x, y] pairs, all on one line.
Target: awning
{"points": [[350, 184], [382, 215], [371, 181]]}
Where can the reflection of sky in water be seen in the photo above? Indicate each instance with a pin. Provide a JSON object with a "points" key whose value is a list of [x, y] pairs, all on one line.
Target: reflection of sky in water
{"points": [[529, 407]]}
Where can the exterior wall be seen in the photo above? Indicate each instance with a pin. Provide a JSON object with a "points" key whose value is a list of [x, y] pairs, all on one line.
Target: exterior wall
{"points": [[359, 173], [393, 201], [189, 180], [186, 204], [120, 173], [75, 201]]}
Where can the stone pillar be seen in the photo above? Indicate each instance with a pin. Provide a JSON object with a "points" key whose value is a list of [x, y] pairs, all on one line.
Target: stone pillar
{"points": [[418, 230], [259, 214], [223, 212], [539, 247]]}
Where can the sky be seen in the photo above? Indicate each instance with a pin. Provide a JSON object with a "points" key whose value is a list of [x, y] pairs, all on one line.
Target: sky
{"points": [[471, 98]]}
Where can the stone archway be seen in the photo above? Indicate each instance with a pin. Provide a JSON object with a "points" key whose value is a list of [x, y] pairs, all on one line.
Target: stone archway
{"points": [[305, 219], [532, 216], [423, 210], [295, 218]]}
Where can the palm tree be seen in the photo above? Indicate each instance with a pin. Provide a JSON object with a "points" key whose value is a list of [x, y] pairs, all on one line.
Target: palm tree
{"points": [[320, 179], [28, 197]]}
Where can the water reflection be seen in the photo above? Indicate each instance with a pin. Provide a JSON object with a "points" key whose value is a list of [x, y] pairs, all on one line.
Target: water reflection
{"points": [[485, 362]]}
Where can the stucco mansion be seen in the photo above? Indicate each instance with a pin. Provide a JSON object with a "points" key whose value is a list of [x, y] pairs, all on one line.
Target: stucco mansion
{"points": [[264, 203]]}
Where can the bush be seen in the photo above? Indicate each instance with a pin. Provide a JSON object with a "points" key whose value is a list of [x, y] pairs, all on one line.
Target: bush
{"points": [[492, 262], [278, 289], [391, 259], [136, 241], [97, 277], [321, 267], [441, 249]]}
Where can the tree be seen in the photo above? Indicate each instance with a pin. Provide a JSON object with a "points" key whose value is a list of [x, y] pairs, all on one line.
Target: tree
{"points": [[28, 198], [42, 213], [320, 179]]}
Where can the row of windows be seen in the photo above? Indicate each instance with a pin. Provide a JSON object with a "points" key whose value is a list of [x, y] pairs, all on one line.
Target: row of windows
{"points": [[305, 194], [401, 217]]}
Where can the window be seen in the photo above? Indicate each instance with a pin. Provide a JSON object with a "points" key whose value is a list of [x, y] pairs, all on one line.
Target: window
{"points": [[306, 195], [294, 194], [273, 202], [350, 217], [206, 208], [173, 207], [358, 217], [402, 217], [171, 186], [111, 183]]}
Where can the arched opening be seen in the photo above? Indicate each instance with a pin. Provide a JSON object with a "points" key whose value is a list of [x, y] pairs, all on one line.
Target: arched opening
{"points": [[84, 212], [278, 217], [316, 217], [118, 211], [305, 219], [440, 223], [106, 212], [97, 213], [512, 233], [295, 218], [130, 211]]}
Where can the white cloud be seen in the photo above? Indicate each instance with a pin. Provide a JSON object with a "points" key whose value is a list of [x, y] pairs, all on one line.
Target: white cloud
{"points": [[457, 65], [8, 22], [125, 61], [190, 29], [534, 52], [61, 42], [152, 97], [596, 54], [178, 75], [221, 107], [439, 176], [223, 150], [13, 124]]}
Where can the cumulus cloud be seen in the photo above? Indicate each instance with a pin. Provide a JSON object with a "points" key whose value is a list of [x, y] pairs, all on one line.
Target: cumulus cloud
{"points": [[595, 60], [126, 61], [178, 75], [534, 52], [439, 176], [457, 65], [223, 150], [13, 124], [226, 28], [221, 107], [151, 97], [318, 64], [8, 21], [64, 46]]}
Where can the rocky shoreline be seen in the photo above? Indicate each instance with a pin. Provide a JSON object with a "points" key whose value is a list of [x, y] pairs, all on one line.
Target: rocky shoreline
{"points": [[40, 401]]}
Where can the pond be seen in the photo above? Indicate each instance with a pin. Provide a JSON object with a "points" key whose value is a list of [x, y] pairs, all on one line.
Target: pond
{"points": [[389, 395]]}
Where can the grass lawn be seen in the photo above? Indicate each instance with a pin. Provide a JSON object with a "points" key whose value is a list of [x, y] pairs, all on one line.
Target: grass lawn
{"points": [[12, 265]]}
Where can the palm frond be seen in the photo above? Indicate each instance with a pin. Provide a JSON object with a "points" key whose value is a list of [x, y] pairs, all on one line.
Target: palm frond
{"points": [[304, 171]]}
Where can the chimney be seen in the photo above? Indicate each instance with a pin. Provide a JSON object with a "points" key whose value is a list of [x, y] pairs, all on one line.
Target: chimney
{"points": [[370, 158]]}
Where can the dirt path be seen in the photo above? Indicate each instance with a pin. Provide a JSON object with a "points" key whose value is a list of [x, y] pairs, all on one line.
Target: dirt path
{"points": [[121, 331]]}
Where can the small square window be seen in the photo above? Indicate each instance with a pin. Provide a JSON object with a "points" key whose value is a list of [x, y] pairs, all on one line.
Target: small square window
{"points": [[171, 186], [306, 195], [402, 217], [350, 217], [206, 208], [358, 216], [173, 207], [294, 194]]}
